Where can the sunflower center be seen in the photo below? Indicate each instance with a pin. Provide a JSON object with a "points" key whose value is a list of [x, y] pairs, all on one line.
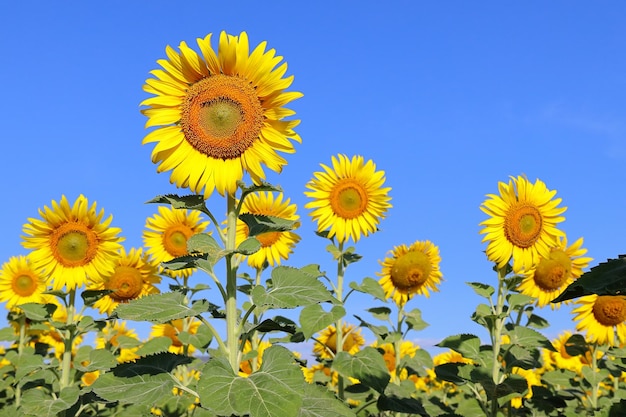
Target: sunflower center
{"points": [[24, 285], [175, 239], [221, 116], [610, 310], [268, 239], [74, 244], [552, 272], [348, 199], [127, 283], [410, 271], [523, 225]]}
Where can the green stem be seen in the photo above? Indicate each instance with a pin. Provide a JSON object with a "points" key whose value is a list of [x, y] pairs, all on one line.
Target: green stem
{"points": [[339, 323], [397, 343], [20, 351], [595, 387], [216, 335], [496, 337], [68, 340], [232, 328]]}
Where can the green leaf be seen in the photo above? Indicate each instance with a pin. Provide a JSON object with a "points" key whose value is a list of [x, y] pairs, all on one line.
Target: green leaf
{"points": [[249, 246], [264, 186], [160, 308], [276, 389], [291, 288], [192, 202], [91, 296], [200, 340], [155, 345], [517, 300], [467, 345], [576, 345], [398, 398], [313, 318], [88, 359], [319, 402], [367, 365], [528, 338], [277, 324], [414, 320], [258, 224], [370, 286], [559, 377], [594, 378], [606, 278], [36, 402], [7, 334], [38, 312], [481, 289], [27, 363], [537, 322]]}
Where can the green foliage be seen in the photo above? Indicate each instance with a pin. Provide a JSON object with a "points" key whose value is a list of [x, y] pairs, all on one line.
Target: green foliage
{"points": [[290, 288], [161, 308], [314, 318], [606, 278], [367, 366]]}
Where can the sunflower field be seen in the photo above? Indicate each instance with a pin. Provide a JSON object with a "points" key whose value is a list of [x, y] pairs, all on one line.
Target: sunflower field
{"points": [[217, 119]]}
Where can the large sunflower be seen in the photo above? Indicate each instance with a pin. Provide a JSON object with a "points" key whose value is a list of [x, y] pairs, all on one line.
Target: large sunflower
{"points": [[274, 245], [20, 283], [349, 199], [553, 273], [326, 345], [167, 233], [219, 115], [72, 243], [603, 317], [134, 276], [411, 270], [522, 223]]}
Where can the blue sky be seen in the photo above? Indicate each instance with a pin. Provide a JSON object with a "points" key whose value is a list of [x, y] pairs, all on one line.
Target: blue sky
{"points": [[448, 98]]}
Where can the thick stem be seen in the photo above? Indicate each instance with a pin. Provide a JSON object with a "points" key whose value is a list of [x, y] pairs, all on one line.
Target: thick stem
{"points": [[339, 323], [496, 337], [68, 340], [20, 351], [593, 400], [232, 328]]}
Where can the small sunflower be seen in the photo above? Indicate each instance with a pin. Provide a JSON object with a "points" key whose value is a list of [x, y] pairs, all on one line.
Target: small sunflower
{"points": [[349, 199], [411, 270], [553, 273], [407, 349], [275, 246], [134, 276], [603, 317], [533, 379], [563, 360], [173, 329], [522, 223], [167, 233], [108, 338], [21, 283], [219, 115], [72, 243], [246, 367], [326, 345]]}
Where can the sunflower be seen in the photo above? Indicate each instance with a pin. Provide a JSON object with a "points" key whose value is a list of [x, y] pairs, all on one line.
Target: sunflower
{"points": [[407, 349], [20, 283], [326, 345], [167, 234], [563, 360], [522, 223], [134, 276], [274, 245], [246, 366], [533, 379], [108, 338], [173, 329], [553, 273], [219, 115], [72, 243], [411, 270], [349, 199], [603, 317]]}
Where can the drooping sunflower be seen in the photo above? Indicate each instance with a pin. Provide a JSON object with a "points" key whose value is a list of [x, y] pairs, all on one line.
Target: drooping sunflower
{"points": [[219, 115], [326, 345], [173, 329], [349, 199], [522, 223], [72, 243], [21, 283], [166, 235], [134, 276], [553, 273], [275, 246], [603, 317], [411, 270]]}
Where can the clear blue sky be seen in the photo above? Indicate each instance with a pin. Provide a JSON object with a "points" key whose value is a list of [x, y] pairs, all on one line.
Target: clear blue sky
{"points": [[447, 97]]}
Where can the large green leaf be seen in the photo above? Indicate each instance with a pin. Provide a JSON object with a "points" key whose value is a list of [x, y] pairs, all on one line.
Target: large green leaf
{"points": [[276, 389], [369, 286], [291, 288], [192, 202], [398, 398], [37, 311], [319, 402], [606, 278], [367, 365], [160, 308], [313, 318], [88, 359], [467, 345], [258, 224], [37, 403]]}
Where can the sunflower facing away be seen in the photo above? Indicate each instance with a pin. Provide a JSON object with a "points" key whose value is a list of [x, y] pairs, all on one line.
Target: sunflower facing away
{"points": [[134, 276], [166, 235], [522, 223], [411, 270], [326, 346], [349, 199], [275, 246], [603, 317], [219, 115], [72, 243], [552, 274], [20, 283]]}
